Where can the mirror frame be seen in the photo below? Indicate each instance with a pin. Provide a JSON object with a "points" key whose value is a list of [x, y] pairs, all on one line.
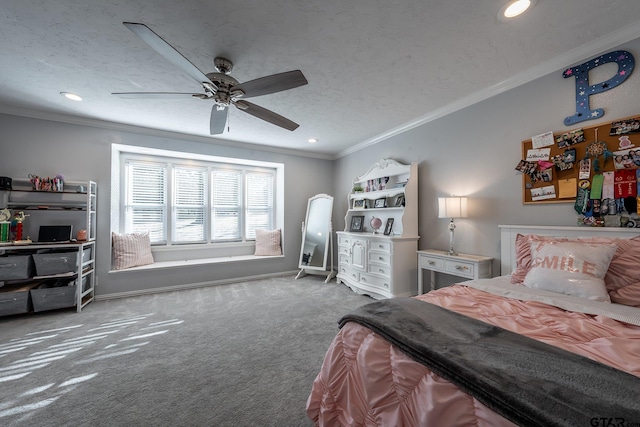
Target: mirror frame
{"points": [[329, 233]]}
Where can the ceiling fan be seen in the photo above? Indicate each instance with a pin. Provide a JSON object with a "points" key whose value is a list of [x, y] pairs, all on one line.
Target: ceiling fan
{"points": [[219, 86]]}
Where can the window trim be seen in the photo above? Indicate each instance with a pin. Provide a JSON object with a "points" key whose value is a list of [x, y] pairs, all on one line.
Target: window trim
{"points": [[165, 250]]}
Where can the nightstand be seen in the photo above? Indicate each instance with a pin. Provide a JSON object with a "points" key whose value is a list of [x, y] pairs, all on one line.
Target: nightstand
{"points": [[461, 265]]}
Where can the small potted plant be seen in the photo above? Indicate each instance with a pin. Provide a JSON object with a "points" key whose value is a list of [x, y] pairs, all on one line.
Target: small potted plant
{"points": [[358, 188]]}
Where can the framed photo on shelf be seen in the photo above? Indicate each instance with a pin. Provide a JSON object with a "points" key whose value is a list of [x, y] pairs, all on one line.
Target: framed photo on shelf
{"points": [[356, 223], [400, 200], [380, 203], [387, 228], [359, 204]]}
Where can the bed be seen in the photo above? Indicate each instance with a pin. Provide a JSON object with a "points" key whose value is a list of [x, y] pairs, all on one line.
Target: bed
{"points": [[558, 346]]}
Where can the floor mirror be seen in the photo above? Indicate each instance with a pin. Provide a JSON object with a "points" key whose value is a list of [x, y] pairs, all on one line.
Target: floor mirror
{"points": [[316, 251]]}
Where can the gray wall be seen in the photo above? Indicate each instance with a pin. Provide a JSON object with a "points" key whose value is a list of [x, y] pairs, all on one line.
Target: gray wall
{"points": [[473, 152], [81, 152]]}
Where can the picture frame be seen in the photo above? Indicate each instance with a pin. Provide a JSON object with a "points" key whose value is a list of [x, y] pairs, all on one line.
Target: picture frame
{"points": [[380, 203], [387, 228], [400, 200], [357, 222], [359, 204]]}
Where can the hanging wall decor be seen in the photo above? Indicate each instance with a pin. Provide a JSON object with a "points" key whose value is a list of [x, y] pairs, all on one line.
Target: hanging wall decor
{"points": [[584, 89]]}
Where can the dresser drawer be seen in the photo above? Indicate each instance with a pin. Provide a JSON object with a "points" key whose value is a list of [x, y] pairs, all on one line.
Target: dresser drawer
{"points": [[460, 268], [380, 269], [344, 240], [431, 263], [344, 259], [376, 282], [380, 246], [380, 258], [348, 273], [344, 250]]}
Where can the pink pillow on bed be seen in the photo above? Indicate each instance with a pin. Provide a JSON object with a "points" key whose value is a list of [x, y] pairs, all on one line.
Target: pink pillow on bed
{"points": [[622, 279], [523, 253], [571, 268]]}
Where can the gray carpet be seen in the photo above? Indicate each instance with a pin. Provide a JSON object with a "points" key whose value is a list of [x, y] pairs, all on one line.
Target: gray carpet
{"points": [[243, 354]]}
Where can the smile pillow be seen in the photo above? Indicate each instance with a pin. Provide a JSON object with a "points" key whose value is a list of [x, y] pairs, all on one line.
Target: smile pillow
{"points": [[570, 268]]}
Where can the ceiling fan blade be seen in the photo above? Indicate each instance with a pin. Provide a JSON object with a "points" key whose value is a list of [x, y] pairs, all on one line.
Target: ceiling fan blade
{"points": [[158, 95], [266, 115], [218, 120], [272, 84], [165, 49]]}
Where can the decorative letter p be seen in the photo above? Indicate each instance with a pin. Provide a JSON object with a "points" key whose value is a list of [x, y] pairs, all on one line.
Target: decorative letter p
{"points": [[625, 63]]}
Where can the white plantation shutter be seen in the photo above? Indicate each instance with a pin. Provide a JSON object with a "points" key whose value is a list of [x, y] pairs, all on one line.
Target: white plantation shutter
{"points": [[189, 204], [145, 199], [227, 204], [259, 206], [195, 202]]}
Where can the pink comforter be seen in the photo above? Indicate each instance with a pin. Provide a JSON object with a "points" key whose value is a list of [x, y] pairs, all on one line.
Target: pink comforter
{"points": [[364, 381]]}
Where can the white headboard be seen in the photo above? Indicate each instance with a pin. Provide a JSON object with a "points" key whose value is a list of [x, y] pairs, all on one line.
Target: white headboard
{"points": [[508, 235]]}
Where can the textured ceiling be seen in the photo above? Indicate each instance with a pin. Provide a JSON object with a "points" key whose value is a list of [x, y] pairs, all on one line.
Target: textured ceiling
{"points": [[374, 67]]}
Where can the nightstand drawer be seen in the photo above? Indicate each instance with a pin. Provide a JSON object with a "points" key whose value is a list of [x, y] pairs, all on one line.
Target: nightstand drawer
{"points": [[460, 268], [431, 263]]}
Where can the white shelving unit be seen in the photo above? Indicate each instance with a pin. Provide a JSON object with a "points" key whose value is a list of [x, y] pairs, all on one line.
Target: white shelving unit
{"points": [[75, 205], [369, 261]]}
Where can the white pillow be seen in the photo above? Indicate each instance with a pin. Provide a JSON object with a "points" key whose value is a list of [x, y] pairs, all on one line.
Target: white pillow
{"points": [[268, 242], [131, 249], [570, 268]]}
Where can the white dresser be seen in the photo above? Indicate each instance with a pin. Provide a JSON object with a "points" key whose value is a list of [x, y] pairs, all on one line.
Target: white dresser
{"points": [[381, 263], [377, 265]]}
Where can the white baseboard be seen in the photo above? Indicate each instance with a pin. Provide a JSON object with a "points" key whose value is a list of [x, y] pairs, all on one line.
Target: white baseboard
{"points": [[127, 294]]}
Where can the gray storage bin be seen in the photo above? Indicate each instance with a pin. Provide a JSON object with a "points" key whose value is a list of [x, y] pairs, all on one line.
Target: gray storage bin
{"points": [[51, 263], [86, 254], [16, 267], [52, 298], [15, 300]]}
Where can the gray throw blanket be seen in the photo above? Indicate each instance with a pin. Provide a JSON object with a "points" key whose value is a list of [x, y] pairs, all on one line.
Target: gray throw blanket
{"points": [[526, 381]]}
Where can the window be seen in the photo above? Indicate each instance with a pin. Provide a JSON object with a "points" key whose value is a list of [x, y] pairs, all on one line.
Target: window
{"points": [[194, 201]]}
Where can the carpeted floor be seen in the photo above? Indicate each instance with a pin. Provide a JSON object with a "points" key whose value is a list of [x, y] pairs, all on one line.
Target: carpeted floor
{"points": [[231, 355]]}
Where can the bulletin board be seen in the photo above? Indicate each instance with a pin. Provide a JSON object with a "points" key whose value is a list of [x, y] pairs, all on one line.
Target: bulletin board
{"points": [[620, 136]]}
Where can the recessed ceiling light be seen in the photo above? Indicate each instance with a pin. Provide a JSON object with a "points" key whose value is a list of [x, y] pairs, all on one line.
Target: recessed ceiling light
{"points": [[71, 96], [515, 8], [313, 140]]}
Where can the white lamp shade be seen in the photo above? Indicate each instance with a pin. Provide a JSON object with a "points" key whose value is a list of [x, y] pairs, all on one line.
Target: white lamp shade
{"points": [[452, 207]]}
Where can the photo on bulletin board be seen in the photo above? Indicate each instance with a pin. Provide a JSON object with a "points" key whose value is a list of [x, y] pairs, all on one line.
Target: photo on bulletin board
{"points": [[553, 174]]}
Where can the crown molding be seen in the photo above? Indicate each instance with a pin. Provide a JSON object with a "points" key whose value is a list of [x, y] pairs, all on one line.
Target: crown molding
{"points": [[560, 62], [103, 124]]}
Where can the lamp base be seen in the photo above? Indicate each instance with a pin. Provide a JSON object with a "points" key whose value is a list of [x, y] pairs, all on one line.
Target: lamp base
{"points": [[452, 227]]}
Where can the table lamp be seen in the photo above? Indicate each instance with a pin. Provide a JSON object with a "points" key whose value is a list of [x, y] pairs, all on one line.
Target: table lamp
{"points": [[452, 207]]}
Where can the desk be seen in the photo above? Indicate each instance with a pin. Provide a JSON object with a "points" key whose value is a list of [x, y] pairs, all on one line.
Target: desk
{"points": [[461, 265]]}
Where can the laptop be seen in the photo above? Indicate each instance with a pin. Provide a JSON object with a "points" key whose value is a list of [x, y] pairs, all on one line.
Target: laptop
{"points": [[54, 233]]}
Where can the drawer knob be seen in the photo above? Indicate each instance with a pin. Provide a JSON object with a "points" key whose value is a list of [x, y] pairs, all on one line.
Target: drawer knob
{"points": [[363, 279], [432, 263], [380, 246], [386, 285], [461, 267], [380, 258], [380, 270]]}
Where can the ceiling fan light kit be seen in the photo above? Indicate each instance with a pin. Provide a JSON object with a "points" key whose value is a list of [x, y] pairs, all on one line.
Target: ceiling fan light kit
{"points": [[219, 86]]}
